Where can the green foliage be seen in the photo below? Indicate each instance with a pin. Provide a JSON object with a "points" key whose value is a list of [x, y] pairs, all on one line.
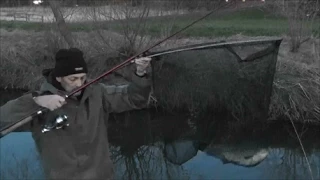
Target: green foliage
{"points": [[24, 54], [252, 22]]}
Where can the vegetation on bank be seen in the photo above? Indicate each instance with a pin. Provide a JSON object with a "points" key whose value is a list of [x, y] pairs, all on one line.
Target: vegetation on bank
{"points": [[252, 22], [295, 90]]}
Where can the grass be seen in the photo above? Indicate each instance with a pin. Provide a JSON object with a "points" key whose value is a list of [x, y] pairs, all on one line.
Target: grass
{"points": [[295, 90], [252, 22], [36, 26]]}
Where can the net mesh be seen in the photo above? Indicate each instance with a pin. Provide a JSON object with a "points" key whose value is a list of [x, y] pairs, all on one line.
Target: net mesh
{"points": [[234, 76]]}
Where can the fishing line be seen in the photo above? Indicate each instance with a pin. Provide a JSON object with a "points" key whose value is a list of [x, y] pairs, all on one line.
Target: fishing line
{"points": [[11, 127]]}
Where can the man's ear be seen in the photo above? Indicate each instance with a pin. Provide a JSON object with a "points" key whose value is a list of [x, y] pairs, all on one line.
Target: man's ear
{"points": [[58, 79]]}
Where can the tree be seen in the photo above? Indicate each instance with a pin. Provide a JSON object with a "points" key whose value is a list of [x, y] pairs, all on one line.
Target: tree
{"points": [[301, 15], [64, 31]]}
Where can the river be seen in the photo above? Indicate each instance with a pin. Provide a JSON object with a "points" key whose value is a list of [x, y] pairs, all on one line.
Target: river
{"points": [[155, 145]]}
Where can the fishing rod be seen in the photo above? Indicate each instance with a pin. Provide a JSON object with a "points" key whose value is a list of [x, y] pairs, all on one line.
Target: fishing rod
{"points": [[218, 44], [11, 127]]}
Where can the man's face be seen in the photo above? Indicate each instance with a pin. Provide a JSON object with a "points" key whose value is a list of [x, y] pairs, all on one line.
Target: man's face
{"points": [[73, 81]]}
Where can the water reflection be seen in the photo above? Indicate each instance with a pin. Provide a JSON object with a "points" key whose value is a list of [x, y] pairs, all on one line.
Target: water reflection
{"points": [[19, 158], [174, 148], [238, 154], [153, 145]]}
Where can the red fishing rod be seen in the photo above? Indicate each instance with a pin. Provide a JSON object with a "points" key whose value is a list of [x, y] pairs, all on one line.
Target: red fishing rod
{"points": [[11, 127]]}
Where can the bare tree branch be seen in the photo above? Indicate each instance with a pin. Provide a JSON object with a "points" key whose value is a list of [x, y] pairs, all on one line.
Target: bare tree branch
{"points": [[65, 32]]}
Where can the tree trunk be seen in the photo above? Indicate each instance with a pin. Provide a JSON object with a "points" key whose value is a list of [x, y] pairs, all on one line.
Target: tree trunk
{"points": [[62, 26]]}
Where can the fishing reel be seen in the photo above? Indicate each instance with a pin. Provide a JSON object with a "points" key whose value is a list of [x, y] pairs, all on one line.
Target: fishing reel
{"points": [[58, 123]]}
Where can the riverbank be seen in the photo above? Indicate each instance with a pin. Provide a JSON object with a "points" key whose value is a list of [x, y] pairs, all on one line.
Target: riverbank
{"points": [[296, 84], [28, 47]]}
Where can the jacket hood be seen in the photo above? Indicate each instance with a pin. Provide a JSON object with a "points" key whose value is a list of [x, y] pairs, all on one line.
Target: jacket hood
{"points": [[51, 84]]}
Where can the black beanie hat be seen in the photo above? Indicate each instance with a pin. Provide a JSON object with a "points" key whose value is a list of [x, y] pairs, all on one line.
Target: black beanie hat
{"points": [[69, 61]]}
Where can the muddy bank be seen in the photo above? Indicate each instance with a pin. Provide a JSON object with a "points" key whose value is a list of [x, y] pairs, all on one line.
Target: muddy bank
{"points": [[189, 83]]}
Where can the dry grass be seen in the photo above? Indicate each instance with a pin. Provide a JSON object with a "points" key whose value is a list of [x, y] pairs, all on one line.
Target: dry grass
{"points": [[295, 91], [297, 85], [20, 58], [23, 55]]}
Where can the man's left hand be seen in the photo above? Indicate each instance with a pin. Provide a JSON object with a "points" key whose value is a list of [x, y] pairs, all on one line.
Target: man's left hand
{"points": [[142, 65]]}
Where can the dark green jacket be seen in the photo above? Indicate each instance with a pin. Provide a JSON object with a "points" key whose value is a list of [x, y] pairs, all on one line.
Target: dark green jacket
{"points": [[81, 151]]}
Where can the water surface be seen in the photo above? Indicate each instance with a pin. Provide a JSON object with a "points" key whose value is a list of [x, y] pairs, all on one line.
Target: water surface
{"points": [[156, 145]]}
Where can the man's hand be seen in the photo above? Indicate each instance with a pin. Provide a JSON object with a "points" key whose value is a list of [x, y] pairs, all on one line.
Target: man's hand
{"points": [[51, 102], [142, 65]]}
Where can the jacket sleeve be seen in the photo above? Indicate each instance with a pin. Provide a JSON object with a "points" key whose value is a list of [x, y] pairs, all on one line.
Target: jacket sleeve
{"points": [[17, 109], [134, 95]]}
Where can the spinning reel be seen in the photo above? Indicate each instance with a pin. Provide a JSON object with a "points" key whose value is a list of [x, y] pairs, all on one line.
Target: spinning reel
{"points": [[58, 123]]}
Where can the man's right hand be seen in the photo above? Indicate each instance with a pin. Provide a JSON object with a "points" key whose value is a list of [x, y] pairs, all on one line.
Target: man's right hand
{"points": [[51, 102]]}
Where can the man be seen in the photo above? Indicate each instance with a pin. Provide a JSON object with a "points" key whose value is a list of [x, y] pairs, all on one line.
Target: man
{"points": [[81, 150]]}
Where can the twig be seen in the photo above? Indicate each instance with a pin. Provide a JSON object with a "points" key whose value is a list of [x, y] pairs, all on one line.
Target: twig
{"points": [[302, 147], [304, 91]]}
